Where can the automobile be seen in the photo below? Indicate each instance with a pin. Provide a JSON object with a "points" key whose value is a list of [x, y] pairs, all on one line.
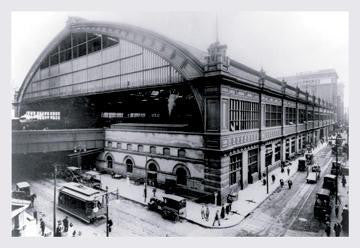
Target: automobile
{"points": [[309, 157], [312, 177], [91, 179], [23, 192], [170, 207], [116, 176], [323, 204], [329, 183], [317, 169], [72, 174], [301, 165]]}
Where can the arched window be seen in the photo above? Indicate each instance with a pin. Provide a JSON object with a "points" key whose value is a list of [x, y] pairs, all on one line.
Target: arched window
{"points": [[109, 161], [129, 165]]}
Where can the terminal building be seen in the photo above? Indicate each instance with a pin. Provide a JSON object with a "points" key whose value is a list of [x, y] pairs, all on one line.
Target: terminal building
{"points": [[168, 112]]}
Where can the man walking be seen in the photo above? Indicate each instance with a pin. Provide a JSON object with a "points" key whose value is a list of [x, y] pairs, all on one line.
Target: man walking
{"points": [[154, 191], [145, 192], [217, 218], [281, 183], [207, 213], [42, 227], [66, 224], [203, 212], [273, 178], [288, 171], [289, 183], [337, 229], [328, 229]]}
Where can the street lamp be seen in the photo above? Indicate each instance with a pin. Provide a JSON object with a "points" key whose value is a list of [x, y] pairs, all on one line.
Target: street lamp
{"points": [[54, 205], [338, 139]]}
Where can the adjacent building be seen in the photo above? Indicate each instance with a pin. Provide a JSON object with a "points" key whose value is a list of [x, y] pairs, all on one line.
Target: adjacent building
{"points": [[323, 84], [168, 112]]}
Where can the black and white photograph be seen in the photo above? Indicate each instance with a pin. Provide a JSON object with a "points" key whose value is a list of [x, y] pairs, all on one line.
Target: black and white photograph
{"points": [[180, 124]]}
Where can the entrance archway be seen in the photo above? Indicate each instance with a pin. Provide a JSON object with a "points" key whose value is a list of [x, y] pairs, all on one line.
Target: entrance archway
{"points": [[181, 176], [152, 174]]}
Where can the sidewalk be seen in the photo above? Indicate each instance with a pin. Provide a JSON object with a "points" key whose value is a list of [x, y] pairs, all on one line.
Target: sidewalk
{"points": [[249, 198]]}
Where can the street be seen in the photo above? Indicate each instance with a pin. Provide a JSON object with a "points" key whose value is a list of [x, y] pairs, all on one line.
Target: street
{"points": [[286, 212]]}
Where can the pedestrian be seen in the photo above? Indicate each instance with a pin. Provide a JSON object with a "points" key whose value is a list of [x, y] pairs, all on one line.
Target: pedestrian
{"points": [[217, 218], [66, 224], [74, 233], [58, 229], [203, 212], [154, 191], [227, 209], [110, 224], [273, 178], [343, 181], [290, 183], [328, 229], [42, 227], [337, 229], [264, 181], [264, 174], [222, 213], [145, 193], [207, 213], [35, 214], [337, 209], [288, 171], [281, 183]]}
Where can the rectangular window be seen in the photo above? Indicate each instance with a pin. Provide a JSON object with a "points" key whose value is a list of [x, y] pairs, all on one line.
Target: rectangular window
{"points": [[181, 153], [129, 147], [273, 115], [243, 115], [166, 151], [253, 161], [54, 59], [140, 148], [235, 168], [153, 149], [290, 117], [78, 38]]}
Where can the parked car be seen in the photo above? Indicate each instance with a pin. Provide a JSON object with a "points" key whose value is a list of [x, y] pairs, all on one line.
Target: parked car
{"points": [[329, 183], [23, 192], [301, 165], [170, 207], [92, 179]]}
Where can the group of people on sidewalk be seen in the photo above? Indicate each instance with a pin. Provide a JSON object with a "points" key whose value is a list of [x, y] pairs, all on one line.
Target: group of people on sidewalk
{"points": [[219, 214], [281, 181], [63, 228]]}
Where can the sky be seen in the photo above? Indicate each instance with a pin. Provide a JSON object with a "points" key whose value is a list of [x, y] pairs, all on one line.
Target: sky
{"points": [[282, 43]]}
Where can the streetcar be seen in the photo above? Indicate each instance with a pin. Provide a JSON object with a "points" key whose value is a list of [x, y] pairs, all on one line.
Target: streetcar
{"points": [[82, 202]]}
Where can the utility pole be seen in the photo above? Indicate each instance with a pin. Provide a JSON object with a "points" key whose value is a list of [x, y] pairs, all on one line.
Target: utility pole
{"points": [[54, 210], [107, 211]]}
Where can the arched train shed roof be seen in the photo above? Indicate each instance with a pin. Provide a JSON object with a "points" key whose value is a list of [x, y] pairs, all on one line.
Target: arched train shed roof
{"points": [[188, 61]]}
